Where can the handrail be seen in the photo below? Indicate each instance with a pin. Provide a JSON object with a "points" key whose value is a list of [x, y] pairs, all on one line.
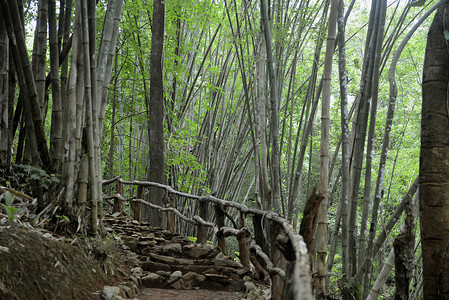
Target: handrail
{"points": [[290, 269]]}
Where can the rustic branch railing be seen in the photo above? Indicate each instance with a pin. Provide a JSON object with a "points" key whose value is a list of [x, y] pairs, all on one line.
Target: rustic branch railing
{"points": [[291, 280]]}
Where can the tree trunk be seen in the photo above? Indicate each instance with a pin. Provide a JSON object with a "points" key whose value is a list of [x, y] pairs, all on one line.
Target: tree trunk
{"points": [[373, 248], [389, 263], [40, 55], [56, 116], [71, 129], [360, 133], [13, 20], [156, 111], [65, 27], [309, 222], [91, 120], [380, 23], [324, 155], [434, 160], [405, 255], [5, 138], [274, 120], [311, 98], [261, 131], [345, 207]]}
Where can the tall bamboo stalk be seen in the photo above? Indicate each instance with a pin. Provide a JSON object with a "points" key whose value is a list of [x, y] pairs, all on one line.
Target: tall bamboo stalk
{"points": [[324, 153]]}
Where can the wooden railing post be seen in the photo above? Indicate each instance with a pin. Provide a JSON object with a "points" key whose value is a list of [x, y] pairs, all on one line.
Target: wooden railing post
{"points": [[244, 239], [219, 220], [242, 219], [135, 206], [118, 206], [202, 230], [261, 271], [278, 259], [260, 229], [170, 214]]}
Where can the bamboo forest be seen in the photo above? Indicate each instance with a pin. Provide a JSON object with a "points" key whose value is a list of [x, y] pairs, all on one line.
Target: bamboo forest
{"points": [[228, 149]]}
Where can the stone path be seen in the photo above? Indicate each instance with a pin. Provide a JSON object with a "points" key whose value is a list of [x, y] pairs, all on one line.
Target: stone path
{"points": [[163, 294], [170, 266]]}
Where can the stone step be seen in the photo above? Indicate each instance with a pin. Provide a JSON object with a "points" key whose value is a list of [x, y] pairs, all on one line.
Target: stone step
{"points": [[189, 280], [171, 261], [200, 268]]}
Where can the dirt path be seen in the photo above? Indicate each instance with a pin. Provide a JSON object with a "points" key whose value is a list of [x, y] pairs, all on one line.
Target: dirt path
{"points": [[164, 294]]}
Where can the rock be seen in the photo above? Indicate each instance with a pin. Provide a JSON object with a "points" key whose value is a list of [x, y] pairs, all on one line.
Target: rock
{"points": [[111, 292], [242, 271], [134, 280], [163, 258], [210, 271], [163, 273], [155, 250], [214, 253], [225, 262], [129, 292], [233, 276], [48, 236], [189, 262], [137, 272], [175, 276], [177, 285], [220, 255], [197, 252], [152, 280], [191, 280], [155, 266], [237, 286], [178, 239], [132, 259], [147, 243], [167, 234], [188, 246], [217, 278], [252, 291], [213, 286], [172, 248]]}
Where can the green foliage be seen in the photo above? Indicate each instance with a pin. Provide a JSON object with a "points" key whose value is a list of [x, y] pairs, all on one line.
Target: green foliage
{"points": [[193, 239], [8, 205], [179, 153], [63, 217], [37, 175]]}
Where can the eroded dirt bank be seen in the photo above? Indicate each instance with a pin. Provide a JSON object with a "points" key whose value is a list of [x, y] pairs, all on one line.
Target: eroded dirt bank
{"points": [[37, 265]]}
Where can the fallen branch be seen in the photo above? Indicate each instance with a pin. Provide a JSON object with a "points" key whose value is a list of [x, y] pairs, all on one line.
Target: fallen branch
{"points": [[18, 194]]}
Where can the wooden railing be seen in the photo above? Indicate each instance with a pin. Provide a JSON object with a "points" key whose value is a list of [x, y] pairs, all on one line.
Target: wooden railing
{"points": [[283, 256]]}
